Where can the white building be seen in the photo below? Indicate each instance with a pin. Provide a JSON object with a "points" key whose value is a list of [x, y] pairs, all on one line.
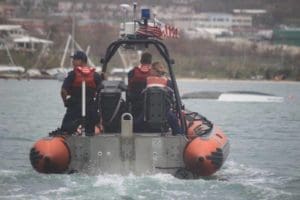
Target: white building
{"points": [[211, 24], [241, 21], [212, 20], [220, 20], [15, 37], [250, 11]]}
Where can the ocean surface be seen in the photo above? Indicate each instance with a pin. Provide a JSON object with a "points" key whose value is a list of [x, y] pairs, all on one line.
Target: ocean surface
{"points": [[264, 161]]}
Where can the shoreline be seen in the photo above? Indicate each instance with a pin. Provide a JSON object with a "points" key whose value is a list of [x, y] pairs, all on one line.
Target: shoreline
{"points": [[185, 79], [235, 80]]}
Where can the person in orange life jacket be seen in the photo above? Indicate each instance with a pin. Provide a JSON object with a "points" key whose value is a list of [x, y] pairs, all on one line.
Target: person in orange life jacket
{"points": [[71, 93], [137, 79], [158, 78], [158, 71]]}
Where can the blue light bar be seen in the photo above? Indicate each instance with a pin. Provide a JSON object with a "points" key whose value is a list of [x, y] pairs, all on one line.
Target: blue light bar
{"points": [[145, 13]]}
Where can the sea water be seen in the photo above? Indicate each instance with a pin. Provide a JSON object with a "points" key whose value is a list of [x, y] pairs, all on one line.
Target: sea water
{"points": [[263, 162]]}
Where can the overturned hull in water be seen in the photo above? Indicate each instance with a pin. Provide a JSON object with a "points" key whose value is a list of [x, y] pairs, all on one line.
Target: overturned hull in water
{"points": [[234, 96]]}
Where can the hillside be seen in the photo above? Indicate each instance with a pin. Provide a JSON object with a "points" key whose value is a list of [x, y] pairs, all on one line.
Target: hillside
{"points": [[279, 12], [197, 58]]}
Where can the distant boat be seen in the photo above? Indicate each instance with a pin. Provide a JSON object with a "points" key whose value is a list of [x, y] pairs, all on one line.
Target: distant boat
{"points": [[11, 71], [58, 73], [234, 96], [33, 73]]}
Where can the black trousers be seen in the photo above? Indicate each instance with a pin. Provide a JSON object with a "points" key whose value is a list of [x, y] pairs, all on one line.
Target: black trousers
{"points": [[73, 118]]}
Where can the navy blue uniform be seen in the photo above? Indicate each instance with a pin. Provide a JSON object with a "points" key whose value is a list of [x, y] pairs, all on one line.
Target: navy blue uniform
{"points": [[73, 116]]}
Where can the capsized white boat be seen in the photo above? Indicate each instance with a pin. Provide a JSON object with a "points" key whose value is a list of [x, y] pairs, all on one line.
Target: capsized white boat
{"points": [[234, 96], [245, 96]]}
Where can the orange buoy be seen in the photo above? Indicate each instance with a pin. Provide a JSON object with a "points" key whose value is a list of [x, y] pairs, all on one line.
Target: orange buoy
{"points": [[50, 155], [203, 156]]}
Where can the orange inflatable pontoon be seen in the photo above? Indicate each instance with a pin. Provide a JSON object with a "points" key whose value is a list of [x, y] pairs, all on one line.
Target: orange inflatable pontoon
{"points": [[208, 147], [50, 155]]}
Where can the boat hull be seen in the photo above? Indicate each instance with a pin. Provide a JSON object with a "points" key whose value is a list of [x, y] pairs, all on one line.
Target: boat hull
{"points": [[137, 153], [149, 154], [114, 154]]}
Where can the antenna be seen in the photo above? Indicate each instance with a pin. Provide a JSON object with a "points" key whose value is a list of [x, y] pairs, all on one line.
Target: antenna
{"points": [[125, 7], [134, 15]]}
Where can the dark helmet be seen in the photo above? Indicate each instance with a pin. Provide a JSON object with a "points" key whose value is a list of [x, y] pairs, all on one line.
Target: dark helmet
{"points": [[79, 55]]}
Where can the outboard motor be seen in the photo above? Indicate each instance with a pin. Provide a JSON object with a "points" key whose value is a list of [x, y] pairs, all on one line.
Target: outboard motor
{"points": [[112, 105]]}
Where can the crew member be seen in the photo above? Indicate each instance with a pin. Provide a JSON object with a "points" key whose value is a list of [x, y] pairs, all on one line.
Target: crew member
{"points": [[137, 79], [71, 93], [158, 78]]}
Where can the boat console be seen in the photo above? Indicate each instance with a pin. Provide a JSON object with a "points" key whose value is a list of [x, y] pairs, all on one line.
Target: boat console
{"points": [[112, 105]]}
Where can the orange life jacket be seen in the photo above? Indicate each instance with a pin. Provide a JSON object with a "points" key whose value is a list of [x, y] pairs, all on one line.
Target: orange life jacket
{"points": [[84, 73], [157, 81], [139, 79], [140, 73]]}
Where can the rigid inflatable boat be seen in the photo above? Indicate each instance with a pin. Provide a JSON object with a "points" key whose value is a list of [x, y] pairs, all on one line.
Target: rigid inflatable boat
{"points": [[199, 150]]}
